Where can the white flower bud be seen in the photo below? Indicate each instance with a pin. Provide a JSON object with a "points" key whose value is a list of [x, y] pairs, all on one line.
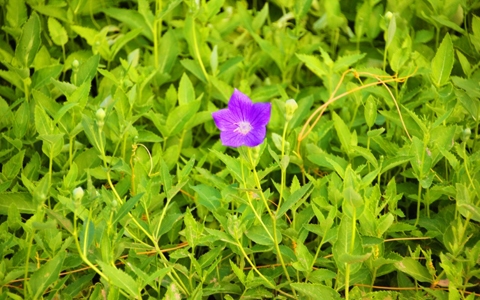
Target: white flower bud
{"points": [[466, 134], [100, 115], [78, 193], [290, 108], [75, 64]]}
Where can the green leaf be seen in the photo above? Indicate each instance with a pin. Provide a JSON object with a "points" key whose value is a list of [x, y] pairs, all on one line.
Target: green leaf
{"points": [[12, 167], [344, 246], [229, 64], [169, 51], [316, 291], [239, 273], [293, 199], [208, 196], [191, 229], [343, 62], [343, 133], [314, 64], [132, 19], [442, 63], [123, 40], [22, 117], [466, 206], [16, 13], [77, 286], [87, 235], [320, 275], [178, 118], [304, 258], [57, 32], [394, 162], [120, 279], [23, 201], [259, 235], [194, 67], [88, 34], [14, 218], [367, 154], [47, 274], [390, 34], [186, 93], [87, 70], [29, 42], [413, 268], [66, 223], [43, 76], [126, 207]]}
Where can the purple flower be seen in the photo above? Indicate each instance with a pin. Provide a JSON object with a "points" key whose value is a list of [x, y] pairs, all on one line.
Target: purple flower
{"points": [[243, 122]]}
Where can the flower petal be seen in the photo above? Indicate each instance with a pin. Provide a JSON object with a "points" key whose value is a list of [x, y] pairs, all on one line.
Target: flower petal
{"points": [[256, 136], [225, 120], [240, 105], [260, 114], [232, 139]]}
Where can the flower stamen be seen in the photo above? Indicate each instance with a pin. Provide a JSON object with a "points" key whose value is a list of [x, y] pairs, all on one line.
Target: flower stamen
{"points": [[243, 127]]}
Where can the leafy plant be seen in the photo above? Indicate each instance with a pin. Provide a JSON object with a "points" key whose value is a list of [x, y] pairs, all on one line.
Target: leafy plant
{"points": [[115, 183]]}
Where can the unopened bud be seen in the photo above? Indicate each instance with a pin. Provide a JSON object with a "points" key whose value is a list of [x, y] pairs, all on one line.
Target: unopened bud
{"points": [[388, 15], [290, 108], [100, 115], [75, 64], [78, 193], [466, 134]]}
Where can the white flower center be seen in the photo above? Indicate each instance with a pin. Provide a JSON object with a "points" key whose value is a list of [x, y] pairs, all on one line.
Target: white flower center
{"points": [[243, 127]]}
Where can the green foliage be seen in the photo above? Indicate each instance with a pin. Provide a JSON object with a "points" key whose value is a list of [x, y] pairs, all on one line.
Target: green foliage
{"points": [[114, 183]]}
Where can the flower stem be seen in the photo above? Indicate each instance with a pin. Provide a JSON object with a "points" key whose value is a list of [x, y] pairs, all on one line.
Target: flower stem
{"points": [[274, 219], [154, 241], [253, 208], [258, 272]]}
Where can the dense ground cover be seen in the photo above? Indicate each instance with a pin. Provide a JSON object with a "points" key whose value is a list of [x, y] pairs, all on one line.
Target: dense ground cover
{"points": [[114, 183]]}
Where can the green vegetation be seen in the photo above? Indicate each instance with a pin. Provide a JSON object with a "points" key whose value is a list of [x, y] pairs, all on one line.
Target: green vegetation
{"points": [[114, 183]]}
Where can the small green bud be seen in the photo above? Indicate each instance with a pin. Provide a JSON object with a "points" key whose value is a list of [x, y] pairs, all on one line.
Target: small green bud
{"points": [[466, 134], [78, 193], [100, 115], [290, 108], [75, 65], [370, 111], [114, 203], [388, 16]]}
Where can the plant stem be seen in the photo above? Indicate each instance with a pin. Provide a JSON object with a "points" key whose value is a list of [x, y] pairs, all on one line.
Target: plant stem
{"points": [[253, 208], [419, 198], [27, 262], [258, 272], [154, 241], [197, 51], [347, 269], [419, 184], [70, 151], [274, 218], [283, 172]]}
